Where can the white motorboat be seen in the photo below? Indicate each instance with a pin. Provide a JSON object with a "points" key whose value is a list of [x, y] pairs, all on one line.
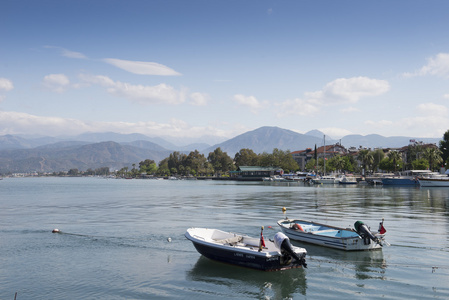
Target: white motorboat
{"points": [[360, 238], [434, 180], [345, 179], [325, 180], [247, 251], [275, 178]]}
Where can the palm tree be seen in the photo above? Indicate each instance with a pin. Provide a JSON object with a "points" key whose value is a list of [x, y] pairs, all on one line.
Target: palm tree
{"points": [[378, 155], [339, 163], [395, 157], [370, 160], [361, 157], [366, 158], [433, 155]]}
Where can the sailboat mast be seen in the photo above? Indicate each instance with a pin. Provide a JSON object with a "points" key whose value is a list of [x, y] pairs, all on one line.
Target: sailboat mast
{"points": [[324, 158]]}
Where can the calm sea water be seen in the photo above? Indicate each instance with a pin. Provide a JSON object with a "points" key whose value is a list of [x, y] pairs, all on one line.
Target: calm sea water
{"points": [[115, 242]]}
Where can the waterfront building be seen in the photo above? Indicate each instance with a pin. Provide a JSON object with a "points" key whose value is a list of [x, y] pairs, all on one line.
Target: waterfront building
{"points": [[326, 152], [256, 173]]}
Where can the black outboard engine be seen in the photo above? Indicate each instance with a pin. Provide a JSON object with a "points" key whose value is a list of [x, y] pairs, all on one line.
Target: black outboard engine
{"points": [[282, 242], [365, 233]]}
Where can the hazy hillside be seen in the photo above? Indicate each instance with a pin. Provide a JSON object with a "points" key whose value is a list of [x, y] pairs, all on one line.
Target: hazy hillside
{"points": [[15, 142], [179, 144], [97, 155], [378, 141], [145, 145]]}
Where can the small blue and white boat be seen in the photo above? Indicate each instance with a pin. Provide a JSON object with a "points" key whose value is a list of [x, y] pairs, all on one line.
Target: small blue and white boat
{"points": [[360, 238]]}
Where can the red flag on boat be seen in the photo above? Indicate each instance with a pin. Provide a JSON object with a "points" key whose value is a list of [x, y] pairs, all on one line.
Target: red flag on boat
{"points": [[382, 229]]}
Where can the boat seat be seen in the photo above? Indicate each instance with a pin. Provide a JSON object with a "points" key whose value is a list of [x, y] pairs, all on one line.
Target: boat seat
{"points": [[323, 231], [231, 241]]}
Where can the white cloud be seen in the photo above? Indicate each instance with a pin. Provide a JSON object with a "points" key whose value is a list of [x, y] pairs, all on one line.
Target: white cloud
{"points": [[142, 67], [430, 119], [249, 101], [446, 96], [298, 107], [19, 123], [16, 123], [56, 82], [68, 53], [424, 126], [135, 67], [6, 84], [98, 79], [148, 94], [432, 109], [335, 133], [145, 94], [73, 54], [349, 109], [350, 90], [379, 124], [339, 91], [199, 99], [437, 66]]}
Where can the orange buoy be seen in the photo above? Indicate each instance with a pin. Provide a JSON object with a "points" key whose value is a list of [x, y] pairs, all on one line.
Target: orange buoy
{"points": [[297, 227]]}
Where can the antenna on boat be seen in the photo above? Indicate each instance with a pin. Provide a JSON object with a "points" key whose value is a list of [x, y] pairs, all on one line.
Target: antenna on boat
{"points": [[262, 241], [324, 158]]}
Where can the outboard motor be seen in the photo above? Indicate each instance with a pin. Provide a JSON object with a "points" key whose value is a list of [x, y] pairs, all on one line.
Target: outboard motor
{"points": [[282, 242], [365, 233]]}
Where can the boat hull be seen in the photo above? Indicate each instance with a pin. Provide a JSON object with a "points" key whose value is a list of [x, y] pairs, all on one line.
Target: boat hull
{"points": [[400, 181], [325, 181], [347, 240], [249, 258], [347, 182], [430, 182]]}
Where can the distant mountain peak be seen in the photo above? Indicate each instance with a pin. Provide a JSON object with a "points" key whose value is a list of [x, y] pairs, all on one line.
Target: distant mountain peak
{"points": [[315, 133]]}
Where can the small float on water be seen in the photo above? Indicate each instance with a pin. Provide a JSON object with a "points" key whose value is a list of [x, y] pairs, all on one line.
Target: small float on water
{"points": [[349, 239], [247, 251]]}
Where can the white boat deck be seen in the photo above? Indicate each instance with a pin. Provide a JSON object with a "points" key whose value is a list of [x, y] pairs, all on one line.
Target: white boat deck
{"points": [[327, 231], [326, 235], [226, 239]]}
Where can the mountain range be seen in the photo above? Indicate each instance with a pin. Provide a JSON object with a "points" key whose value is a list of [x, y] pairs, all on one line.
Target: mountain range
{"points": [[113, 150]]}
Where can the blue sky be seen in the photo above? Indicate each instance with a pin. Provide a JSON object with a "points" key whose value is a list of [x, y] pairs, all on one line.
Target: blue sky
{"points": [[221, 68]]}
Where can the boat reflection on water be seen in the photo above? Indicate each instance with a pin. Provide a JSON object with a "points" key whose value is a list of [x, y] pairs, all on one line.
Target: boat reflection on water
{"points": [[261, 285], [366, 264]]}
